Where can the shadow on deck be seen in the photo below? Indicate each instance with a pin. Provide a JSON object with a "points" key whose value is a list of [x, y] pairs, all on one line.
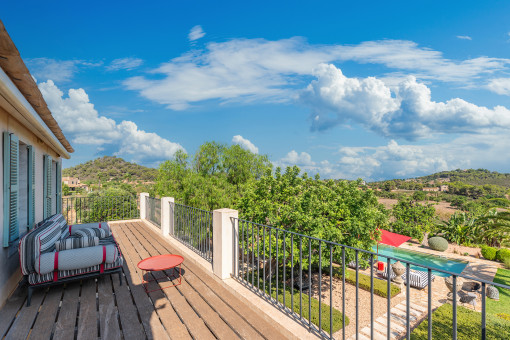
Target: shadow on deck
{"points": [[200, 308]]}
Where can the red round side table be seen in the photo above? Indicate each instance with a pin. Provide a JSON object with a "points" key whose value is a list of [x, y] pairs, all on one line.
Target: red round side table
{"points": [[158, 263]]}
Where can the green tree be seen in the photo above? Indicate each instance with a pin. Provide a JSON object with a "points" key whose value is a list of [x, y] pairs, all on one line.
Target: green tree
{"points": [[412, 218], [65, 190]]}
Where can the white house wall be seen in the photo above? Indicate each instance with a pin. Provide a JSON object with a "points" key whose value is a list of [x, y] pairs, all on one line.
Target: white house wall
{"points": [[10, 273]]}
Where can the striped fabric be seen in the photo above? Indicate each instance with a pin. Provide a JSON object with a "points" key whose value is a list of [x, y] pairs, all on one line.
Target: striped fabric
{"points": [[417, 279], [92, 232], [101, 225], [74, 242], [35, 278], [40, 240], [76, 258]]}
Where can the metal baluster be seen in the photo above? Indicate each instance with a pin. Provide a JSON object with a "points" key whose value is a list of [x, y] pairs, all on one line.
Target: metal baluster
{"points": [[310, 283], [300, 277], [484, 326], [343, 292], [388, 296], [331, 291], [241, 225], [258, 256], [277, 301], [270, 264], [284, 292], [408, 302], [429, 304], [372, 296], [252, 257], [264, 268], [357, 293], [320, 287], [454, 323], [292, 272]]}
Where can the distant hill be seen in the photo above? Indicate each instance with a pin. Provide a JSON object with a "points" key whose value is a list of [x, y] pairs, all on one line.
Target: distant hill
{"points": [[471, 176], [110, 168]]}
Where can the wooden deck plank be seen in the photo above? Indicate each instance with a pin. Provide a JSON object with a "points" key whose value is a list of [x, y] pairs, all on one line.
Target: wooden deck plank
{"points": [[87, 320], [220, 329], [172, 322], [187, 314], [46, 318], [131, 327], [161, 305], [261, 325], [65, 327], [25, 319], [109, 323], [12, 306]]}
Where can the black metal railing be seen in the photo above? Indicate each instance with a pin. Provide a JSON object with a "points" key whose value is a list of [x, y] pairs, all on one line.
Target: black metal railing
{"points": [[280, 265], [153, 210], [99, 208], [193, 227]]}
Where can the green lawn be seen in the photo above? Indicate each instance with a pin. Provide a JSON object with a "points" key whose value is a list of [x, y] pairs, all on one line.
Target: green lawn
{"points": [[503, 305], [468, 321], [468, 325]]}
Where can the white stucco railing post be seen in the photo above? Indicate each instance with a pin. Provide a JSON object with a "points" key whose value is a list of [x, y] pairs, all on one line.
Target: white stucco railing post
{"points": [[167, 215], [143, 205], [225, 234]]}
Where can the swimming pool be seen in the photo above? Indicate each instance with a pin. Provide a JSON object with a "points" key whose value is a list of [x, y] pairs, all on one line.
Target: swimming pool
{"points": [[434, 261]]}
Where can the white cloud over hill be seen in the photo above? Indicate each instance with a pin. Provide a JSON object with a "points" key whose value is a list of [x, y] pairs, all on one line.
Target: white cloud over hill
{"points": [[82, 124]]}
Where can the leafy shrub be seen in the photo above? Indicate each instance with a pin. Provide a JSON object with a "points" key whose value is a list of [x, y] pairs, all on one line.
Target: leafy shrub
{"points": [[507, 262], [438, 243], [380, 286], [466, 254], [489, 253], [504, 316], [502, 254]]}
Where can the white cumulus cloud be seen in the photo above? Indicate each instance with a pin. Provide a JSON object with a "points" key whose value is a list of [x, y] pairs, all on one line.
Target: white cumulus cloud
{"points": [[406, 112], [196, 33], [245, 143], [500, 86], [263, 70], [81, 122], [124, 64], [300, 159]]}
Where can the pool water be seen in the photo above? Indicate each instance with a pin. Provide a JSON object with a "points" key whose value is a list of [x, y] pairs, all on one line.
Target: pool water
{"points": [[433, 261]]}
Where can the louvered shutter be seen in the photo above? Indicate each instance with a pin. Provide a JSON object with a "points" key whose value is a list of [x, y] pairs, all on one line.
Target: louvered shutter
{"points": [[59, 187], [11, 179], [31, 187], [47, 186]]}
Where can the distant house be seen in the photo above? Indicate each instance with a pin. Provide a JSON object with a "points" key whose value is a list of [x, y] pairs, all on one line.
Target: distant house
{"points": [[74, 183], [431, 189], [33, 148], [443, 188]]}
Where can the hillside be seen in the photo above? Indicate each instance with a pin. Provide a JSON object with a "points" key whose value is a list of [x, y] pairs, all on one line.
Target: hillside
{"points": [[471, 177], [110, 168]]}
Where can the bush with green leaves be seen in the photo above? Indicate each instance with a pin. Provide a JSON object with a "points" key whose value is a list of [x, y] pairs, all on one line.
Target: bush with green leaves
{"points": [[488, 252], [438, 243], [502, 254]]}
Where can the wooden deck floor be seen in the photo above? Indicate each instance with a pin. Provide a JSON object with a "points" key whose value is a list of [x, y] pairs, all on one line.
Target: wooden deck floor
{"points": [[199, 308]]}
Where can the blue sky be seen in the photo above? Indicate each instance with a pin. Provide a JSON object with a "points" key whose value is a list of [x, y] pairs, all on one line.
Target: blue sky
{"points": [[347, 89]]}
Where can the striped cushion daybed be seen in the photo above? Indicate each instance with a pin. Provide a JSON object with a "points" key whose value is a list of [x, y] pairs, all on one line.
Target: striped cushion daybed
{"points": [[42, 265], [418, 279]]}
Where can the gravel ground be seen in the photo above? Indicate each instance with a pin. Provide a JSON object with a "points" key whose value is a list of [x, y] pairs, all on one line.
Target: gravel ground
{"points": [[350, 303]]}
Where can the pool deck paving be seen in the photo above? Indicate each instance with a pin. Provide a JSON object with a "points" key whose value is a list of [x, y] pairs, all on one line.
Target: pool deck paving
{"points": [[477, 268]]}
